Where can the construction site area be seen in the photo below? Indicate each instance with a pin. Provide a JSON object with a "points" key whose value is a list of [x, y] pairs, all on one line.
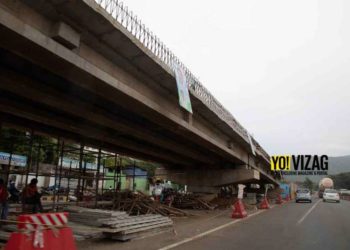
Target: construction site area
{"points": [[108, 138], [107, 196]]}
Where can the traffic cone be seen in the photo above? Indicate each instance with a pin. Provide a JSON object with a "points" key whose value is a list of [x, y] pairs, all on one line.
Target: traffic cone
{"points": [[279, 199], [239, 210], [287, 198], [264, 204]]}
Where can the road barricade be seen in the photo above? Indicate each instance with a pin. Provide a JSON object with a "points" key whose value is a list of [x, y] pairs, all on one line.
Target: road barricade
{"points": [[42, 231]]}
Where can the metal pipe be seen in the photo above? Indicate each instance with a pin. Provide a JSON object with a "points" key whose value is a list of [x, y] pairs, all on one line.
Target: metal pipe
{"points": [[60, 174], [56, 171], [37, 161], [29, 160], [97, 176]]}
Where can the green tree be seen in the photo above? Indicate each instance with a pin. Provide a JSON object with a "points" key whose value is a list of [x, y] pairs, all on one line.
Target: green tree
{"points": [[309, 184], [341, 181]]}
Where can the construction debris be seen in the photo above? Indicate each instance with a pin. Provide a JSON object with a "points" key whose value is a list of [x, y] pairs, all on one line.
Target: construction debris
{"points": [[135, 226], [191, 201], [138, 204], [223, 202], [93, 217], [115, 224]]}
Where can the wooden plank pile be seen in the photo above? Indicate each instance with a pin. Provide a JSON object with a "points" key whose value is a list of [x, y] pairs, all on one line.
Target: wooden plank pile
{"points": [[191, 201], [223, 202], [138, 204]]}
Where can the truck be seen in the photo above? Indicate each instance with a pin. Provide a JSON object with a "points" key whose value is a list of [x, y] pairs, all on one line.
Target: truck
{"points": [[323, 184]]}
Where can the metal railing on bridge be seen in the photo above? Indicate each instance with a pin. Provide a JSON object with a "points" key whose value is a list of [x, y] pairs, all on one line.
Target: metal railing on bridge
{"points": [[133, 24]]}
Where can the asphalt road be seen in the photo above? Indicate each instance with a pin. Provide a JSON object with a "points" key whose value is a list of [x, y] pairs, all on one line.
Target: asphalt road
{"points": [[301, 226]]}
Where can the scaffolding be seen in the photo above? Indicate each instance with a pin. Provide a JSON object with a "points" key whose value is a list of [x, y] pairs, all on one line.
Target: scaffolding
{"points": [[70, 165]]}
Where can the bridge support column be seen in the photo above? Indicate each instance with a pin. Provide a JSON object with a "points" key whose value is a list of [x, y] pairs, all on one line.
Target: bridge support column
{"points": [[208, 180]]}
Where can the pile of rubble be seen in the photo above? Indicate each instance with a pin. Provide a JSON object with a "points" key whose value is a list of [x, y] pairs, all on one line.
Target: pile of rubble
{"points": [[138, 204], [191, 201], [223, 202]]}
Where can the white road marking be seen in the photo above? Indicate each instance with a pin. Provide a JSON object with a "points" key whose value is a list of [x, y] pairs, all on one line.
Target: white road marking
{"points": [[208, 232], [308, 212]]}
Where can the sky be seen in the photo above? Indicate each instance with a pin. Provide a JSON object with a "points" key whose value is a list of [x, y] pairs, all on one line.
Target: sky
{"points": [[281, 67]]}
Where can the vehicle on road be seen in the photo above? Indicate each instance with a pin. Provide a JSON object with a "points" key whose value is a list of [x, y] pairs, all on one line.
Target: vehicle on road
{"points": [[303, 195], [324, 184], [331, 195]]}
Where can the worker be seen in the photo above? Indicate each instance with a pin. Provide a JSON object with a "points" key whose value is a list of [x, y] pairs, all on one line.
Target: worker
{"points": [[14, 192], [158, 191], [31, 196], [3, 200]]}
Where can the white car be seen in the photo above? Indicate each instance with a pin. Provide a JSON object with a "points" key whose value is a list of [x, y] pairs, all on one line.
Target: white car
{"points": [[331, 195], [303, 195]]}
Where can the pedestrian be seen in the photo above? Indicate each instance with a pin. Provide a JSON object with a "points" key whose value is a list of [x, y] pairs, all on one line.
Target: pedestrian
{"points": [[3, 200], [31, 196], [158, 191], [14, 192]]}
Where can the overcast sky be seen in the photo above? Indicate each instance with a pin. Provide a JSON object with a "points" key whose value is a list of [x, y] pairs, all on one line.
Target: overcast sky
{"points": [[280, 67]]}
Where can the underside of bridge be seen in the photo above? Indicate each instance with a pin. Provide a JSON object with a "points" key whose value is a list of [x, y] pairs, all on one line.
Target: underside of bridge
{"points": [[106, 92], [34, 97]]}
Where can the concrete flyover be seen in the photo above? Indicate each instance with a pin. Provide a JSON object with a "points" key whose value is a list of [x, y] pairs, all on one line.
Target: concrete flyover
{"points": [[89, 71]]}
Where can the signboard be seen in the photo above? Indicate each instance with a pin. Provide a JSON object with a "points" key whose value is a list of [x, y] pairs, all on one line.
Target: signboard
{"points": [[252, 146], [16, 160], [74, 164], [182, 89]]}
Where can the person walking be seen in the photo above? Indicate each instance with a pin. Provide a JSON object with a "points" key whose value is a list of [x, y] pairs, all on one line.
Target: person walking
{"points": [[3, 200]]}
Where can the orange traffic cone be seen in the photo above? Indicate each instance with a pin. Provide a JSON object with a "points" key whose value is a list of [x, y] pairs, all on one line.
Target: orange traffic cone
{"points": [[279, 199], [264, 204], [239, 210], [287, 198]]}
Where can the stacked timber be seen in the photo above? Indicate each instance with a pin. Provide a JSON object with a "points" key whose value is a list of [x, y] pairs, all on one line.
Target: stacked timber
{"points": [[191, 201], [223, 202], [139, 204]]}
